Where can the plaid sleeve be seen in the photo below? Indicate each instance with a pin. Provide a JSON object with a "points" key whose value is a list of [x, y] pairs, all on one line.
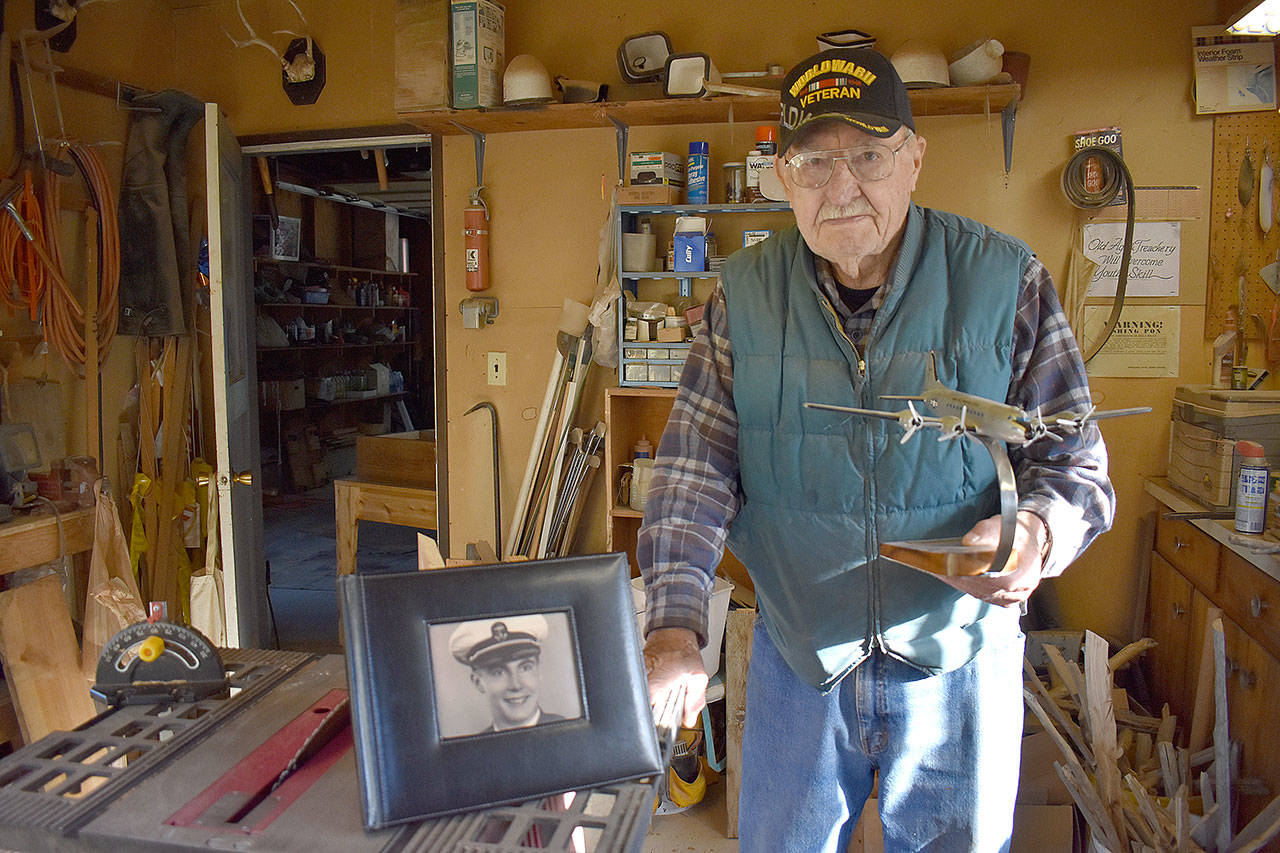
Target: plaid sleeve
{"points": [[1065, 483], [695, 492]]}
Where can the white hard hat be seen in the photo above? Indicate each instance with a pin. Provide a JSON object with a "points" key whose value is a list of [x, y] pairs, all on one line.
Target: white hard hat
{"points": [[921, 65], [526, 81]]}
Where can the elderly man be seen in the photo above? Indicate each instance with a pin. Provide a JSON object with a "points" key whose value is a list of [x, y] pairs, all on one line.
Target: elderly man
{"points": [[861, 666], [505, 660]]}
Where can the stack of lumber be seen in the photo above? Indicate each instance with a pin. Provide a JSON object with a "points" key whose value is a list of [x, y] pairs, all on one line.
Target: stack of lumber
{"points": [[1136, 790]]}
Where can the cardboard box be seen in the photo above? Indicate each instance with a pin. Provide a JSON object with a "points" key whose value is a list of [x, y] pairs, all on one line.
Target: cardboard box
{"points": [[648, 194], [657, 167], [691, 252], [422, 55], [479, 35], [398, 459]]}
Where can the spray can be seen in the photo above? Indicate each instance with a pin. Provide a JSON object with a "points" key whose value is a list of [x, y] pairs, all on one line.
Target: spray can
{"points": [[1251, 488], [696, 173]]}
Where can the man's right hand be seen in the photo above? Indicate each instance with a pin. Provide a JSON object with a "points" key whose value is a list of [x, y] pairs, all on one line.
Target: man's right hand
{"points": [[672, 659]]}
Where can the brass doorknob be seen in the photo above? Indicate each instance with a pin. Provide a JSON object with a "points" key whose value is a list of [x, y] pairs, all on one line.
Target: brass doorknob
{"points": [[245, 478]]}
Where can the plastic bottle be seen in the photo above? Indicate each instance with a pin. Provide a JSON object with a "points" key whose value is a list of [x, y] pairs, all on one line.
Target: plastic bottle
{"points": [[1251, 487], [643, 449], [641, 473], [753, 175], [1224, 352], [696, 173]]}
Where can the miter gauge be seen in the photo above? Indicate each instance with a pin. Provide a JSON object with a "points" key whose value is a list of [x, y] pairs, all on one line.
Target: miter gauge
{"points": [[158, 661]]}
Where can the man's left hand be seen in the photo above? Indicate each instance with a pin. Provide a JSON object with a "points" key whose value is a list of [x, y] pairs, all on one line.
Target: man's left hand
{"points": [[1022, 574]]}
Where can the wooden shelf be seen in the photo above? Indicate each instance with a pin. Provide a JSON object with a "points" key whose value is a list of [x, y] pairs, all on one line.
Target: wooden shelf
{"points": [[332, 305], [314, 347], [948, 101], [323, 265]]}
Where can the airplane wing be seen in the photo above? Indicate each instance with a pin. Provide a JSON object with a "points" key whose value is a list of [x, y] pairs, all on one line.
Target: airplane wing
{"points": [[1076, 420], [909, 419]]}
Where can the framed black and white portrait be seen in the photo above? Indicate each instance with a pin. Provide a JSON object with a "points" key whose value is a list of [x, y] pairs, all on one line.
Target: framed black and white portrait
{"points": [[478, 686], [286, 239]]}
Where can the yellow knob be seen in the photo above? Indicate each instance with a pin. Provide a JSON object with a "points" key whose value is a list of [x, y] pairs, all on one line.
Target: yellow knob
{"points": [[151, 648]]}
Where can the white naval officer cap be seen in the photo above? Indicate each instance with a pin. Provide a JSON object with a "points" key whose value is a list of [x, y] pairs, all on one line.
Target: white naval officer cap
{"points": [[484, 642]]}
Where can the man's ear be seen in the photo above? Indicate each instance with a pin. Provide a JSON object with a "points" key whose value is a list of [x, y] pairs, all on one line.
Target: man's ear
{"points": [[784, 175], [475, 679]]}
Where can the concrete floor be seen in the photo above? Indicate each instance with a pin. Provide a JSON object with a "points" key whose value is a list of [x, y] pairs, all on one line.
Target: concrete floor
{"points": [[699, 830]]}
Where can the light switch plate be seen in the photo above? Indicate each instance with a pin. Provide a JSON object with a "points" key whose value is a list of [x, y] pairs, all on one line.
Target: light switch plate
{"points": [[496, 368]]}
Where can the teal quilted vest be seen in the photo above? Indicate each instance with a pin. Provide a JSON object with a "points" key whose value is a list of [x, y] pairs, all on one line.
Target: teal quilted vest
{"points": [[822, 490]]}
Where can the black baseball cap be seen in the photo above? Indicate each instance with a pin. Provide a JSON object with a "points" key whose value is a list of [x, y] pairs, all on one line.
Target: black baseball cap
{"points": [[855, 85]]}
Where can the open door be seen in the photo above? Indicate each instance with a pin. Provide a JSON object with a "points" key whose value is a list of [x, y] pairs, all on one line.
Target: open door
{"points": [[235, 384]]}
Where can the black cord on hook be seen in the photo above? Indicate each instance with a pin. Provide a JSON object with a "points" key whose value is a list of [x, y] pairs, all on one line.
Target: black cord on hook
{"points": [[1115, 177]]}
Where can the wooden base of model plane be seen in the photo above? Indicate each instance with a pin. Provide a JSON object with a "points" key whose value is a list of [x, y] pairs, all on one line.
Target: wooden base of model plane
{"points": [[945, 557]]}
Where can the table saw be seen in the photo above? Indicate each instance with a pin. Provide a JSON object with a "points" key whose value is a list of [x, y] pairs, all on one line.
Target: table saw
{"points": [[249, 771]]}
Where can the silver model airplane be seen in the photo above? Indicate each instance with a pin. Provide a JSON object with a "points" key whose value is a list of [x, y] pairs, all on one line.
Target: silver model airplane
{"points": [[958, 413]]}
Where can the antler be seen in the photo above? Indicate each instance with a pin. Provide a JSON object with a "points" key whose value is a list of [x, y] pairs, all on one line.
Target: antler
{"points": [[253, 38], [305, 25], [298, 70]]}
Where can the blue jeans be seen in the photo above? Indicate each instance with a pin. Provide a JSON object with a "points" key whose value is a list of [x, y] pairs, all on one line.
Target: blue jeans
{"points": [[946, 747]]}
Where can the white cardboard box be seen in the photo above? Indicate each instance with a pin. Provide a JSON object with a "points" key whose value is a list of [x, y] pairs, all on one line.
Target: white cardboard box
{"points": [[479, 35]]}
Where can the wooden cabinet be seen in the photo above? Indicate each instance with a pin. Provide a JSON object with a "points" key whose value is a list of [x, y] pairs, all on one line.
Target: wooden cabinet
{"points": [[629, 415], [1195, 566]]}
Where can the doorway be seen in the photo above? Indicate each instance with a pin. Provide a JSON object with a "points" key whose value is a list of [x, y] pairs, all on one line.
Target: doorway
{"points": [[344, 302]]}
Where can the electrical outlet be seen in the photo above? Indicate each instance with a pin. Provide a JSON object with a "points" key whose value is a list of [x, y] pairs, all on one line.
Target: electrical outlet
{"points": [[497, 368]]}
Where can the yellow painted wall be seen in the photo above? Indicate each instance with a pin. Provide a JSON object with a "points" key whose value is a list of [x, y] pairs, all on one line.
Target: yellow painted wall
{"points": [[43, 389], [1093, 63]]}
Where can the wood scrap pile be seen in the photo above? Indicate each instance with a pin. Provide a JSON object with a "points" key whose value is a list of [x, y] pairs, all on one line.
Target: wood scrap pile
{"points": [[1136, 790]]}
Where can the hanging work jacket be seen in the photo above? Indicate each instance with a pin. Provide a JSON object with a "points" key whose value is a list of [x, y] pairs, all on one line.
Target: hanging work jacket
{"points": [[822, 490]]}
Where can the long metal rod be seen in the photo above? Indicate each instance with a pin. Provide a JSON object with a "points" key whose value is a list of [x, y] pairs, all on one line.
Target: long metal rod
{"points": [[497, 488]]}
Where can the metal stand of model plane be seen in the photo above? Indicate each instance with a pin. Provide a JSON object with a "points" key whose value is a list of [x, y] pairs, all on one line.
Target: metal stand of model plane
{"points": [[996, 425]]}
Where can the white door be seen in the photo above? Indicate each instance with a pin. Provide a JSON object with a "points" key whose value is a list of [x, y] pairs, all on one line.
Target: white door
{"points": [[235, 384]]}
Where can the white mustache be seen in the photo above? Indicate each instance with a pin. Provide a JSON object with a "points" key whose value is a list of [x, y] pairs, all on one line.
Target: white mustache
{"points": [[833, 211]]}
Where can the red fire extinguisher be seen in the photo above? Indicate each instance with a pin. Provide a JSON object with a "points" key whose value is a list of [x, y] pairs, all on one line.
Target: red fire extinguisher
{"points": [[475, 227]]}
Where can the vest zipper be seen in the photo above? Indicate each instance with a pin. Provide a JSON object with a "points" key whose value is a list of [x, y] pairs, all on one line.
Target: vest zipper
{"points": [[868, 496]]}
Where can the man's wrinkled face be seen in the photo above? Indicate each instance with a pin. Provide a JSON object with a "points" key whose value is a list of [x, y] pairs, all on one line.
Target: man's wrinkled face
{"points": [[512, 688], [848, 218]]}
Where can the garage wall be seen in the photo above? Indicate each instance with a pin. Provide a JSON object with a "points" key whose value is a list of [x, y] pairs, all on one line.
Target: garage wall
{"points": [[1093, 63]]}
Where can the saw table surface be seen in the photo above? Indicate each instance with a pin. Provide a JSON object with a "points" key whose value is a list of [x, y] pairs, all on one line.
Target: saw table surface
{"points": [[146, 777]]}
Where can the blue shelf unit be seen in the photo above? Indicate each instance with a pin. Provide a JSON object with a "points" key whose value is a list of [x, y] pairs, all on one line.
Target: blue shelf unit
{"points": [[671, 355]]}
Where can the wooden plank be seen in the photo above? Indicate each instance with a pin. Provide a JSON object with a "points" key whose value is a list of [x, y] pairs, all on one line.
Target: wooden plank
{"points": [[949, 101], [42, 660], [35, 539], [92, 406], [739, 625], [1202, 708]]}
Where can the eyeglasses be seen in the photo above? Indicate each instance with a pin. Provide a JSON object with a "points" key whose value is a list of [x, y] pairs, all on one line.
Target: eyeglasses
{"points": [[867, 163]]}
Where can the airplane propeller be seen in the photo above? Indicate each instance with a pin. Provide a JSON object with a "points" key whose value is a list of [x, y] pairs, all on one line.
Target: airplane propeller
{"points": [[1039, 429], [1077, 421], [910, 422]]}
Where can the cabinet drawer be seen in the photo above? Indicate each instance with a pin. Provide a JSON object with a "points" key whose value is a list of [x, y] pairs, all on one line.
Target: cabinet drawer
{"points": [[1252, 599], [1190, 550]]}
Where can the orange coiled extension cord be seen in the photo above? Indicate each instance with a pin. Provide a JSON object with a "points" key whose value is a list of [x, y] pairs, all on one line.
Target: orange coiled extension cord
{"points": [[36, 266]]}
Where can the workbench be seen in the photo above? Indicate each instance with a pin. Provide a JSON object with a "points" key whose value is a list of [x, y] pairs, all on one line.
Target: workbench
{"points": [[356, 500], [30, 540]]}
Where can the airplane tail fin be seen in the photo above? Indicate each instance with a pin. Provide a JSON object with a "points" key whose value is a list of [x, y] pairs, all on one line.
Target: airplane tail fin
{"points": [[931, 371]]}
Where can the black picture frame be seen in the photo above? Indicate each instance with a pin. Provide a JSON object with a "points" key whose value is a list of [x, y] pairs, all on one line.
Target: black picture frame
{"points": [[415, 761]]}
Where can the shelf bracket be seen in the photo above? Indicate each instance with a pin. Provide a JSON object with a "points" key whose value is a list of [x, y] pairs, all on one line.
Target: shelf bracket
{"points": [[1007, 116], [479, 138], [620, 129]]}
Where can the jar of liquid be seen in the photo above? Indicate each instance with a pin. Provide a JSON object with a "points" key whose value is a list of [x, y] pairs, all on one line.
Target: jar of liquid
{"points": [[735, 183]]}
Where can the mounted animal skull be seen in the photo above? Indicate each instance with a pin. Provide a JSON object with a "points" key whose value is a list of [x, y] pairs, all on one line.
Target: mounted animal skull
{"points": [[300, 67]]}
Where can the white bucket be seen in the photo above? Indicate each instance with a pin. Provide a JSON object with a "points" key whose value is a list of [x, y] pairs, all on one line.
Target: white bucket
{"points": [[717, 612]]}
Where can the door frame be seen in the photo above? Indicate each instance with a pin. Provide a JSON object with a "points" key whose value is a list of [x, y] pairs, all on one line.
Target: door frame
{"points": [[319, 142]]}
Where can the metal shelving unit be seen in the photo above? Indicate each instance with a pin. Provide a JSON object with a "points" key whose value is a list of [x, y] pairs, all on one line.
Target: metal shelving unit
{"points": [[664, 354]]}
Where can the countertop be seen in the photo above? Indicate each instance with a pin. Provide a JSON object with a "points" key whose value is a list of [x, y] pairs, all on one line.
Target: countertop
{"points": [[1262, 550]]}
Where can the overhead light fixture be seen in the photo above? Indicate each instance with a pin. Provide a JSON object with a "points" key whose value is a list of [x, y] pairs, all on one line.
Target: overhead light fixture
{"points": [[1259, 18]]}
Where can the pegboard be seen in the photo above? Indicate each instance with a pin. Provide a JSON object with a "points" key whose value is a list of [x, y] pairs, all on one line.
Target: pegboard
{"points": [[1238, 246]]}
